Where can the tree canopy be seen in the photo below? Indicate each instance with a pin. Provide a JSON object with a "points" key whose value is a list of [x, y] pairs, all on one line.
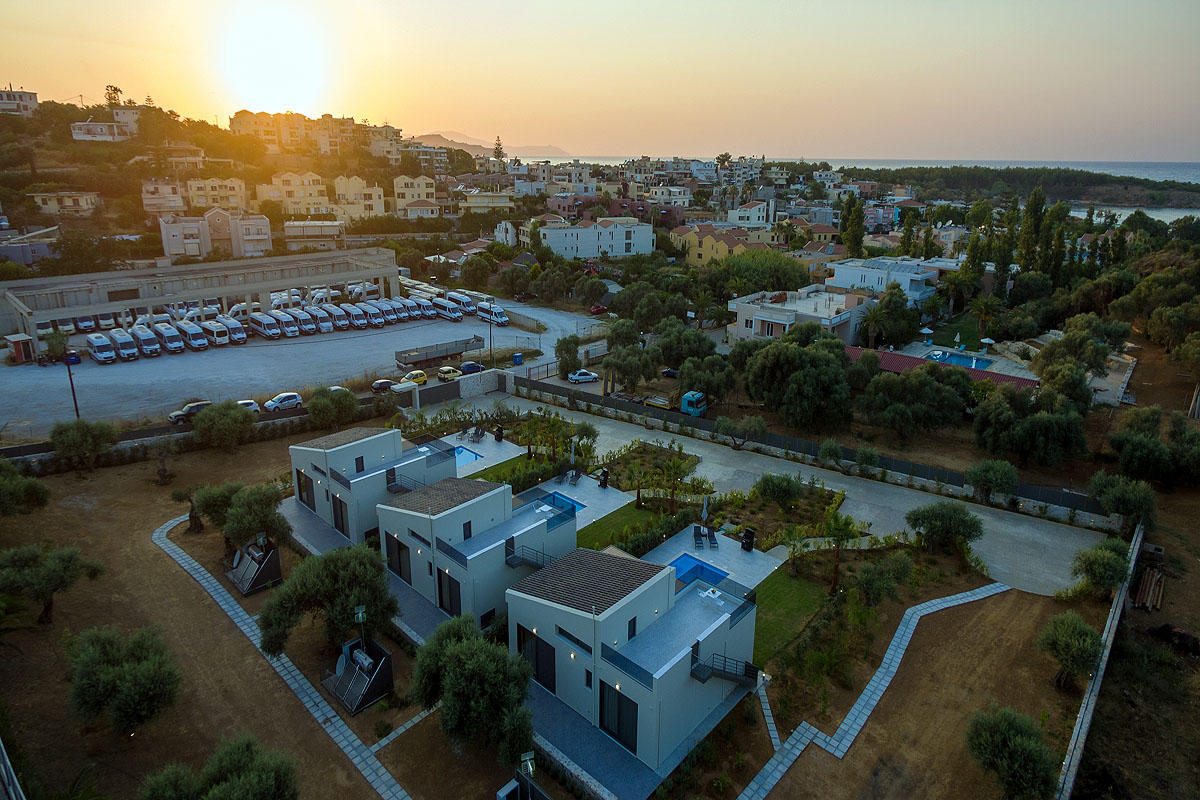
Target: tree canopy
{"points": [[39, 573], [1010, 745], [131, 678], [939, 525], [1074, 644], [239, 769], [81, 441], [224, 425], [20, 494]]}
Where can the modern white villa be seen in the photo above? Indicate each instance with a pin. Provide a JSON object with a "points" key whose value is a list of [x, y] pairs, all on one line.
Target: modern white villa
{"points": [[875, 274], [460, 543], [643, 651]]}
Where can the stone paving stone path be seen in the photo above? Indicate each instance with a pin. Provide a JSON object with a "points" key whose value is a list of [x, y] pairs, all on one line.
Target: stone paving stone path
{"points": [[839, 743], [362, 756]]}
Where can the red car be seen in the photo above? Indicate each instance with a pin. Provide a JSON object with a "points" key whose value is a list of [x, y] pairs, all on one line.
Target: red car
{"points": [[599, 309]]}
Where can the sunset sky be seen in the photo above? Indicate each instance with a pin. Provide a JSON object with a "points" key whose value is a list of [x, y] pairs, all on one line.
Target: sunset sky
{"points": [[1054, 80]]}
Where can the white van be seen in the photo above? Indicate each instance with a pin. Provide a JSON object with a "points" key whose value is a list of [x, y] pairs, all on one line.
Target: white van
{"points": [[359, 291], [384, 308], [85, 324], [126, 346], [168, 337], [106, 321], [374, 316], [237, 334], [425, 305], [357, 318], [341, 320], [307, 325], [397, 307], [216, 333], [490, 312], [265, 326], [447, 309], [239, 312], [66, 326], [150, 320], [321, 317], [193, 335], [323, 295], [100, 348], [205, 314], [146, 341], [410, 306], [464, 303], [286, 323], [42, 328]]}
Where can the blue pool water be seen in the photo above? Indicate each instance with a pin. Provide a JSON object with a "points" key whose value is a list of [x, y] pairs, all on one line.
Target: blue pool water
{"points": [[566, 501], [463, 456], [689, 568], [960, 359]]}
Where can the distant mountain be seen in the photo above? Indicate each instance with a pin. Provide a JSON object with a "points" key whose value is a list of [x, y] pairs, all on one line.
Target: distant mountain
{"points": [[478, 147]]}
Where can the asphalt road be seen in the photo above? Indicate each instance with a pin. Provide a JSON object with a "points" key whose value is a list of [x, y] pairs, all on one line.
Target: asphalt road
{"points": [[34, 397]]}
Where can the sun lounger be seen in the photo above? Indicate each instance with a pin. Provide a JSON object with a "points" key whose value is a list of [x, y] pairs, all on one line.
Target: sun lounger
{"points": [[462, 434], [962, 347], [562, 476], [698, 537], [712, 539], [575, 477], [477, 435]]}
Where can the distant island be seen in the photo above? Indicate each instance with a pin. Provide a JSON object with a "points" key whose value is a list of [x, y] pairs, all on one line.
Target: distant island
{"points": [[478, 147]]}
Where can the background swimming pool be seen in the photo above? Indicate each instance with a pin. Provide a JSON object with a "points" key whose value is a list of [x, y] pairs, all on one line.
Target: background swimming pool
{"points": [[961, 360], [567, 501], [689, 568], [463, 456]]}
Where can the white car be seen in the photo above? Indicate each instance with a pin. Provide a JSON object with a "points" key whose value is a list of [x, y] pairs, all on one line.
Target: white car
{"points": [[283, 401], [250, 404], [338, 389], [582, 376]]}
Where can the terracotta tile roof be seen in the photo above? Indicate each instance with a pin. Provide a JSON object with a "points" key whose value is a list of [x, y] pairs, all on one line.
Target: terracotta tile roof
{"points": [[588, 580], [898, 362]]}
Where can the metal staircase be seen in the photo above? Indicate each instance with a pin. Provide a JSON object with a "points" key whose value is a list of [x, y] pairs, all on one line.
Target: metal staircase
{"points": [[718, 666], [525, 556]]}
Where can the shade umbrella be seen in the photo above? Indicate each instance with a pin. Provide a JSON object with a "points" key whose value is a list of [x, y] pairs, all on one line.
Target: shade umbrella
{"points": [[987, 341], [926, 331], [956, 337], [704, 510], [572, 452]]}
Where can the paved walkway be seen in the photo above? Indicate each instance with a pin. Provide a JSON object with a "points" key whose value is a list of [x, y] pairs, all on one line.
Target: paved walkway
{"points": [[362, 756], [1027, 553], [839, 743]]}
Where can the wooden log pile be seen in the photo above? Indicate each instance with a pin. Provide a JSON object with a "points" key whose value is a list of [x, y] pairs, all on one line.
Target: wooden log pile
{"points": [[1150, 589]]}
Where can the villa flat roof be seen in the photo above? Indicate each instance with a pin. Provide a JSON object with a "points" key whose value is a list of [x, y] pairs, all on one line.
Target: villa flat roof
{"points": [[588, 580], [674, 632], [441, 496], [343, 437]]}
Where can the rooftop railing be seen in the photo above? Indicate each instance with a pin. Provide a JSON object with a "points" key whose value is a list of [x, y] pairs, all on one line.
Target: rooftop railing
{"points": [[623, 663]]}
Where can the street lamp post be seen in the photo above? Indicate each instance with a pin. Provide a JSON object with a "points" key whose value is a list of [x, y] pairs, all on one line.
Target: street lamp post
{"points": [[71, 378]]}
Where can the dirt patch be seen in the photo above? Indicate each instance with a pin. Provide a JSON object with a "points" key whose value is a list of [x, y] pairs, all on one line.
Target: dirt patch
{"points": [[770, 520], [1157, 381], [648, 458], [310, 651], [228, 687], [728, 758], [960, 660]]}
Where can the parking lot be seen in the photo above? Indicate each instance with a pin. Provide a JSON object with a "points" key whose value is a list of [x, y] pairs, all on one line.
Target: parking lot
{"points": [[34, 397]]}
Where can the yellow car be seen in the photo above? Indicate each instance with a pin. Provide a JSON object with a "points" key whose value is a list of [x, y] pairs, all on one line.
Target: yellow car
{"points": [[449, 374], [417, 376]]}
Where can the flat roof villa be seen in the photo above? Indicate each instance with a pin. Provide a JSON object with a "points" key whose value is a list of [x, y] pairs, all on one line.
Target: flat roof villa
{"points": [[771, 314], [876, 274]]}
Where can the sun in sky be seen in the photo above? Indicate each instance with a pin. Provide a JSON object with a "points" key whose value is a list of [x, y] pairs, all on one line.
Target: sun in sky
{"points": [[274, 60]]}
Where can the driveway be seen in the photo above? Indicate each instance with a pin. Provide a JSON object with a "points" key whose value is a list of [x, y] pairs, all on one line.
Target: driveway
{"points": [[1024, 552]]}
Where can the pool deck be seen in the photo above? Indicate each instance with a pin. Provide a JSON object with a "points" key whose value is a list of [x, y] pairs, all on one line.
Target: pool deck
{"points": [[999, 365], [749, 569], [490, 452], [597, 502]]}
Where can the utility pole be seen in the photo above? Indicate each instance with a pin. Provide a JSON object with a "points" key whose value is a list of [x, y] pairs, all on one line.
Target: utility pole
{"points": [[71, 378]]}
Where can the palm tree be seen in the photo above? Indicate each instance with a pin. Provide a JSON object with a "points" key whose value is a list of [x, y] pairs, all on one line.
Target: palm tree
{"points": [[932, 307], [703, 301], [985, 309], [785, 230], [554, 429], [672, 473], [635, 477], [797, 540], [840, 529], [738, 286], [873, 320], [530, 431]]}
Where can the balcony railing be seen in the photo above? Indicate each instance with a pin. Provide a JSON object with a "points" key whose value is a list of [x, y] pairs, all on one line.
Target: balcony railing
{"points": [[639, 674], [524, 555], [718, 666]]}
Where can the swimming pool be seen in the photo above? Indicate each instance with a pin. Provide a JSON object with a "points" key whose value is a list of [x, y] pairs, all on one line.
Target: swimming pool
{"points": [[463, 456], [567, 501], [689, 568], [959, 359]]}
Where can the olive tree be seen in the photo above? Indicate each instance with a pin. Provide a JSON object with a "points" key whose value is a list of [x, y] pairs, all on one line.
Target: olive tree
{"points": [[224, 425], [992, 475], [20, 494], [1102, 568], [1073, 643], [239, 768], [332, 410], [566, 350], [1010, 745], [131, 678], [742, 430], [939, 525], [1133, 500], [254, 510], [39, 573], [81, 442]]}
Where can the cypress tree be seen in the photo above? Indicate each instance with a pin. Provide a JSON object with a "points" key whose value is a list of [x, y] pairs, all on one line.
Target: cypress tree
{"points": [[1031, 229]]}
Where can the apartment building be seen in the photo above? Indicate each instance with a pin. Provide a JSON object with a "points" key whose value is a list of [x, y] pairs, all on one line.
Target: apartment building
{"points": [[297, 193], [18, 101], [318, 234], [479, 202], [433, 160], [354, 199], [876, 274], [293, 133], [241, 235], [711, 241], [92, 131], [677, 196], [607, 236], [67, 204], [638, 655], [755, 214], [129, 116], [461, 543], [228, 193], [185, 236], [769, 315], [162, 196]]}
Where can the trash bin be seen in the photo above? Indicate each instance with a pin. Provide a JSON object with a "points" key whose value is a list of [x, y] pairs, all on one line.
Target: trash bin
{"points": [[518, 358]]}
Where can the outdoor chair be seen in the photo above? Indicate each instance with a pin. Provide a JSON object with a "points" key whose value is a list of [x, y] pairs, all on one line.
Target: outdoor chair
{"points": [[462, 434], [477, 435], [575, 477], [562, 476], [962, 347], [698, 537], [712, 539]]}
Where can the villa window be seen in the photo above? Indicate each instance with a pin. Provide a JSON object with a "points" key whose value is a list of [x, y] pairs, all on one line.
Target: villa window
{"points": [[632, 628], [359, 464]]}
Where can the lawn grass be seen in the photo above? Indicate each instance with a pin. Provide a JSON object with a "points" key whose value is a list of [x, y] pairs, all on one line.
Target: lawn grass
{"points": [[499, 472], [965, 324], [596, 536], [785, 605]]}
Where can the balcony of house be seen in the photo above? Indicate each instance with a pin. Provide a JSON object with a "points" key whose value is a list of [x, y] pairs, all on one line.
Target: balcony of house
{"points": [[432, 453]]}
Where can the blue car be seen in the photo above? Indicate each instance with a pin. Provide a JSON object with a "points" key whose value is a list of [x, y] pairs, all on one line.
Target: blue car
{"points": [[467, 367]]}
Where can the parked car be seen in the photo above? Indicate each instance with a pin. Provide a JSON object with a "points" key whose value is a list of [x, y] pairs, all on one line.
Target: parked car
{"points": [[449, 374], [582, 376], [470, 367], [186, 413], [417, 376], [599, 309], [250, 404], [339, 389], [382, 385], [670, 372], [524, 297], [283, 401]]}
